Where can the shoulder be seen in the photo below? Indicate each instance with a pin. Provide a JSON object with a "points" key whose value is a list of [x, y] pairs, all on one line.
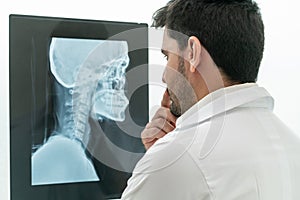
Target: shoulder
{"points": [[167, 171]]}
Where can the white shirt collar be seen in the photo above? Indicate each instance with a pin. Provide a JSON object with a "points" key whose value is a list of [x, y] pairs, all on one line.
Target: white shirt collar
{"points": [[225, 99]]}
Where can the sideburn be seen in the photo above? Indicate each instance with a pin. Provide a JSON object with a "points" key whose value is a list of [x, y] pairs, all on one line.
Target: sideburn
{"points": [[185, 96]]}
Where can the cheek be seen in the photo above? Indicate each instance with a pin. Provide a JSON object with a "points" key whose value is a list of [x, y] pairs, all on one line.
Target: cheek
{"points": [[169, 76], [172, 62], [170, 70]]}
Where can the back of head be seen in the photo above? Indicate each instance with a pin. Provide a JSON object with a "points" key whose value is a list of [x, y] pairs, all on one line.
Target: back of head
{"points": [[232, 31]]}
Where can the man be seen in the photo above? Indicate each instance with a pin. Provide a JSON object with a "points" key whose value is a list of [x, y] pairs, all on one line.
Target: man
{"points": [[215, 135]]}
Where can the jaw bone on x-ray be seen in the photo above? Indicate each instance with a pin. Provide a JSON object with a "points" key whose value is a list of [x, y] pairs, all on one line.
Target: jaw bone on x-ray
{"points": [[90, 77]]}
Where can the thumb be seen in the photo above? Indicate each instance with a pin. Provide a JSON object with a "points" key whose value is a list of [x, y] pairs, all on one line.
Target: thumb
{"points": [[165, 102]]}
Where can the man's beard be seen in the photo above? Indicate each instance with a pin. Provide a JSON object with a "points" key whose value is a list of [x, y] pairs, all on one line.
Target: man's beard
{"points": [[183, 95]]}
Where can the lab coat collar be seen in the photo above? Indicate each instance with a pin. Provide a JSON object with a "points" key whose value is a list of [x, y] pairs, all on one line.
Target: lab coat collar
{"points": [[224, 100]]}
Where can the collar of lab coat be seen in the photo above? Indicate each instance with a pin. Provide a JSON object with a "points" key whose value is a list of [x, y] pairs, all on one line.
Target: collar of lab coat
{"points": [[223, 100]]}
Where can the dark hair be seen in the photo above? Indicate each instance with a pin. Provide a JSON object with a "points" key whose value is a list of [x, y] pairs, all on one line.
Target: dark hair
{"points": [[232, 31]]}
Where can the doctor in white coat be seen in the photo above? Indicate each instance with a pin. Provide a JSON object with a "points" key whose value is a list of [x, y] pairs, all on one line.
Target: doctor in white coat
{"points": [[215, 136]]}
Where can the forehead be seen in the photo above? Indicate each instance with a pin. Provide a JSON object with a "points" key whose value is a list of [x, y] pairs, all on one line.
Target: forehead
{"points": [[169, 44]]}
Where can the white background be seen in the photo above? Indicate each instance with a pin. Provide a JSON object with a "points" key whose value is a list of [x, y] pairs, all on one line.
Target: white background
{"points": [[279, 71]]}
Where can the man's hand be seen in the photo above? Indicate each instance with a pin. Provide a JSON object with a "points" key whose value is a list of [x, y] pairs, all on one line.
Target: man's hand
{"points": [[162, 123]]}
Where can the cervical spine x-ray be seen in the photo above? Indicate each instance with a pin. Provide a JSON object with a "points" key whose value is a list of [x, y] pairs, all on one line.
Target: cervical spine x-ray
{"points": [[89, 83]]}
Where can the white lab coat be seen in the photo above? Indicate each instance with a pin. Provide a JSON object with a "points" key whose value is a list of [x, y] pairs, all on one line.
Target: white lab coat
{"points": [[228, 146]]}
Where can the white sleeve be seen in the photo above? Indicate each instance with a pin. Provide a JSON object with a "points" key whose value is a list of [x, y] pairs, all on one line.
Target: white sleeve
{"points": [[166, 173]]}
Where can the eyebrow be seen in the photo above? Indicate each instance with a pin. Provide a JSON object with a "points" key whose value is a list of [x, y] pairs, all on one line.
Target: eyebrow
{"points": [[164, 52]]}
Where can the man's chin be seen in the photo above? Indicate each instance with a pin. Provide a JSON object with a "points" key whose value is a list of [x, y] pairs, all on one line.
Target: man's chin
{"points": [[175, 111]]}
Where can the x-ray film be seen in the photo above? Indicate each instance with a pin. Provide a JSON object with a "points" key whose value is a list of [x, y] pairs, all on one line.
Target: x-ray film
{"points": [[78, 103], [90, 82]]}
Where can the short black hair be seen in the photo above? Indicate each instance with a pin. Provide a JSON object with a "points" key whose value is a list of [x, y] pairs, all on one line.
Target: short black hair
{"points": [[232, 31]]}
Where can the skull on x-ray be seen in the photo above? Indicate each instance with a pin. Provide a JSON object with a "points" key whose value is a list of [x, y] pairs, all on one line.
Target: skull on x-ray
{"points": [[106, 62]]}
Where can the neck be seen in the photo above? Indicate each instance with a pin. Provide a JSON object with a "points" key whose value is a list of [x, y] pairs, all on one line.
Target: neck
{"points": [[73, 108], [209, 77]]}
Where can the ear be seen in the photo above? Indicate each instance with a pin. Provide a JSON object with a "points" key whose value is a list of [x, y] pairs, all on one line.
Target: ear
{"points": [[194, 54]]}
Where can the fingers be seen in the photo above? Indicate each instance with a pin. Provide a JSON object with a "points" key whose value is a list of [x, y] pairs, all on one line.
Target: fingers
{"points": [[165, 114], [165, 102], [150, 135], [153, 132], [148, 143], [162, 123]]}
